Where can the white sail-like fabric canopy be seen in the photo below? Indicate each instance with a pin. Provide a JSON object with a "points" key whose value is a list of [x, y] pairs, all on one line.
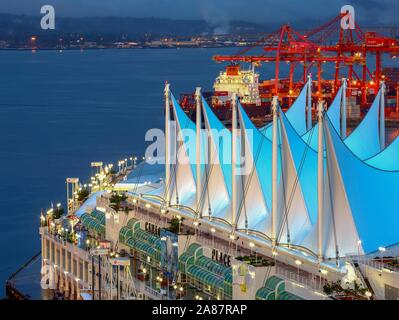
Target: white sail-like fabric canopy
{"points": [[334, 113], [357, 202], [183, 180], [255, 203], [367, 130], [367, 191], [217, 186], [297, 204]]}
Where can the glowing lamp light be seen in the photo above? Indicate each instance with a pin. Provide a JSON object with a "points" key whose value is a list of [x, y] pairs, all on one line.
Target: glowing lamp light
{"points": [[323, 271], [251, 244], [298, 262], [213, 230]]}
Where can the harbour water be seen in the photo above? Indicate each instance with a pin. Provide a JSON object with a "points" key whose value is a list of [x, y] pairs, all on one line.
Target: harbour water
{"points": [[60, 111]]}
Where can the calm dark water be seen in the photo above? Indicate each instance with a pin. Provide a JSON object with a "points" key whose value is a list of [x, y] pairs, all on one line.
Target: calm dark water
{"points": [[60, 111]]}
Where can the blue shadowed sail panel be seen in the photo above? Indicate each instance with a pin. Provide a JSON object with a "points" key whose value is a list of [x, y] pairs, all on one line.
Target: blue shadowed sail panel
{"points": [[364, 141], [374, 209]]}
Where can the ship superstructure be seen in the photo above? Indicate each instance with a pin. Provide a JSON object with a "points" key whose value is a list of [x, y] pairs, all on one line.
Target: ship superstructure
{"points": [[245, 83]]}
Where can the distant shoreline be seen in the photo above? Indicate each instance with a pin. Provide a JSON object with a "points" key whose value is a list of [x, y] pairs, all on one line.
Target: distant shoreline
{"points": [[115, 48]]}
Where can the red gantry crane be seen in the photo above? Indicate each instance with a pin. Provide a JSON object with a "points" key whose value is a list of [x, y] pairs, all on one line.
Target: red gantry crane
{"points": [[347, 49]]}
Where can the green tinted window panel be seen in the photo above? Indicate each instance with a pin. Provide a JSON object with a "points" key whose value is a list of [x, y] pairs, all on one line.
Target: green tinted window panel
{"points": [[288, 296], [263, 293], [133, 224], [272, 282], [192, 248]]}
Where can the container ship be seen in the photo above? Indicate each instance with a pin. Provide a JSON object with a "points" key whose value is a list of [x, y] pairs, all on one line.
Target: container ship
{"points": [[295, 209]]}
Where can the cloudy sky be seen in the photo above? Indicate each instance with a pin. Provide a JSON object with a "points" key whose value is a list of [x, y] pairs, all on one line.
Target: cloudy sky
{"points": [[372, 11]]}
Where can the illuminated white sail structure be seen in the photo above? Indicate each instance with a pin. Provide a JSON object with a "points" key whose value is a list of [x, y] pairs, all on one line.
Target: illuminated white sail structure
{"points": [[179, 187], [182, 186], [297, 182], [334, 113], [365, 188], [255, 203], [218, 181], [370, 129], [342, 192]]}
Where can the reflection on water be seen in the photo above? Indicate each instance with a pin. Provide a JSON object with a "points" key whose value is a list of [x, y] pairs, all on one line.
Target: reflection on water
{"points": [[27, 282]]}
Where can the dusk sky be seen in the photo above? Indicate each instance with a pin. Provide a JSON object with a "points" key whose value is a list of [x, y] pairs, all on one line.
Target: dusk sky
{"points": [[372, 11]]}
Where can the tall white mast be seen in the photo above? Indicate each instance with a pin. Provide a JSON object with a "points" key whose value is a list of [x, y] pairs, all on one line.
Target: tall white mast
{"points": [[309, 104], [167, 143], [198, 147], [274, 169], [320, 180], [382, 116], [234, 160], [343, 109]]}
